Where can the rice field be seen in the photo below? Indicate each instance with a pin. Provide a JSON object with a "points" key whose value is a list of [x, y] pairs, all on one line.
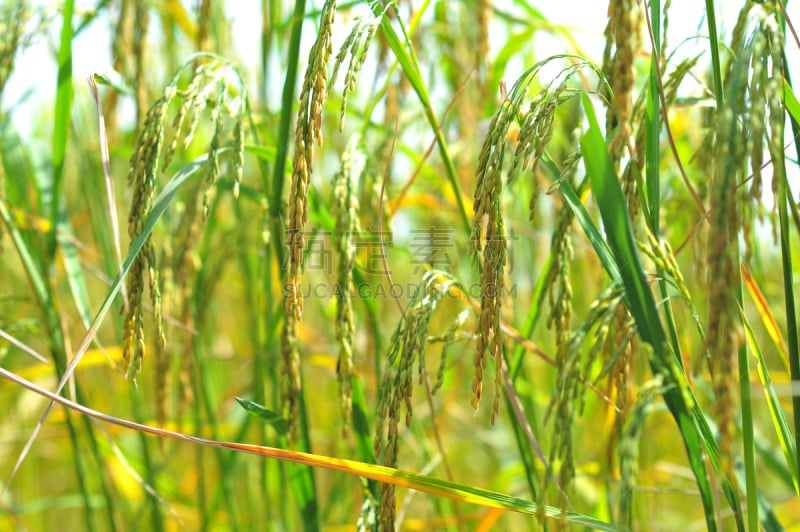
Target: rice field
{"points": [[410, 265]]}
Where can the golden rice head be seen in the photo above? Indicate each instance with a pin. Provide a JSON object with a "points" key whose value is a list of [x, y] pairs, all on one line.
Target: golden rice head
{"points": [[151, 156], [623, 35], [488, 236], [308, 133], [774, 95], [142, 177], [355, 45], [347, 228], [291, 387], [491, 241], [397, 385]]}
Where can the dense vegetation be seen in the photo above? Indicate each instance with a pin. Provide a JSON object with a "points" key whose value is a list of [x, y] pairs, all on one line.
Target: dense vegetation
{"points": [[509, 289]]}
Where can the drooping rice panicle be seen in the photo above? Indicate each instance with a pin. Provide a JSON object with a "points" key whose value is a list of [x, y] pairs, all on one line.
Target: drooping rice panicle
{"points": [[347, 228], [308, 135], [406, 348], [151, 157]]}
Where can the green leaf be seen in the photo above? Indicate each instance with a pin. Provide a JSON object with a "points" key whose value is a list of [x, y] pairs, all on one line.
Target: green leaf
{"points": [[266, 153], [590, 229], [776, 412], [114, 80], [790, 101], [74, 271], [271, 418]]}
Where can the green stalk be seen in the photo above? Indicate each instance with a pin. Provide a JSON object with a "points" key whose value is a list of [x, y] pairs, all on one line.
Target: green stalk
{"points": [[254, 300], [156, 517], [260, 377], [751, 488], [716, 65], [225, 488], [284, 139], [792, 339], [207, 277], [788, 290], [653, 125], [61, 121], [303, 484]]}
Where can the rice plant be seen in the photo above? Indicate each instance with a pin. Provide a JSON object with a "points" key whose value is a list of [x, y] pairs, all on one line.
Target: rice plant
{"points": [[398, 265]]}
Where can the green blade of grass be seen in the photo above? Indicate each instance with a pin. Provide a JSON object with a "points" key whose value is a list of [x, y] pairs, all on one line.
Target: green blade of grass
{"points": [[767, 518], [74, 271], [716, 64], [790, 101], [284, 139], [61, 120], [592, 232], [782, 429], [619, 231], [746, 408], [652, 198], [792, 341]]}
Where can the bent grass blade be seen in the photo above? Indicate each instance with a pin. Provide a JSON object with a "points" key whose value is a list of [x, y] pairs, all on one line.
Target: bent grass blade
{"points": [[159, 206], [442, 488]]}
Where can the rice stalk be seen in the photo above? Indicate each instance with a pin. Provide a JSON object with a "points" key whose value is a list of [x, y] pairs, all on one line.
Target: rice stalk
{"points": [[407, 348], [215, 84], [488, 234], [141, 19], [203, 24], [308, 134], [347, 228], [750, 91], [629, 448], [355, 45], [623, 39]]}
